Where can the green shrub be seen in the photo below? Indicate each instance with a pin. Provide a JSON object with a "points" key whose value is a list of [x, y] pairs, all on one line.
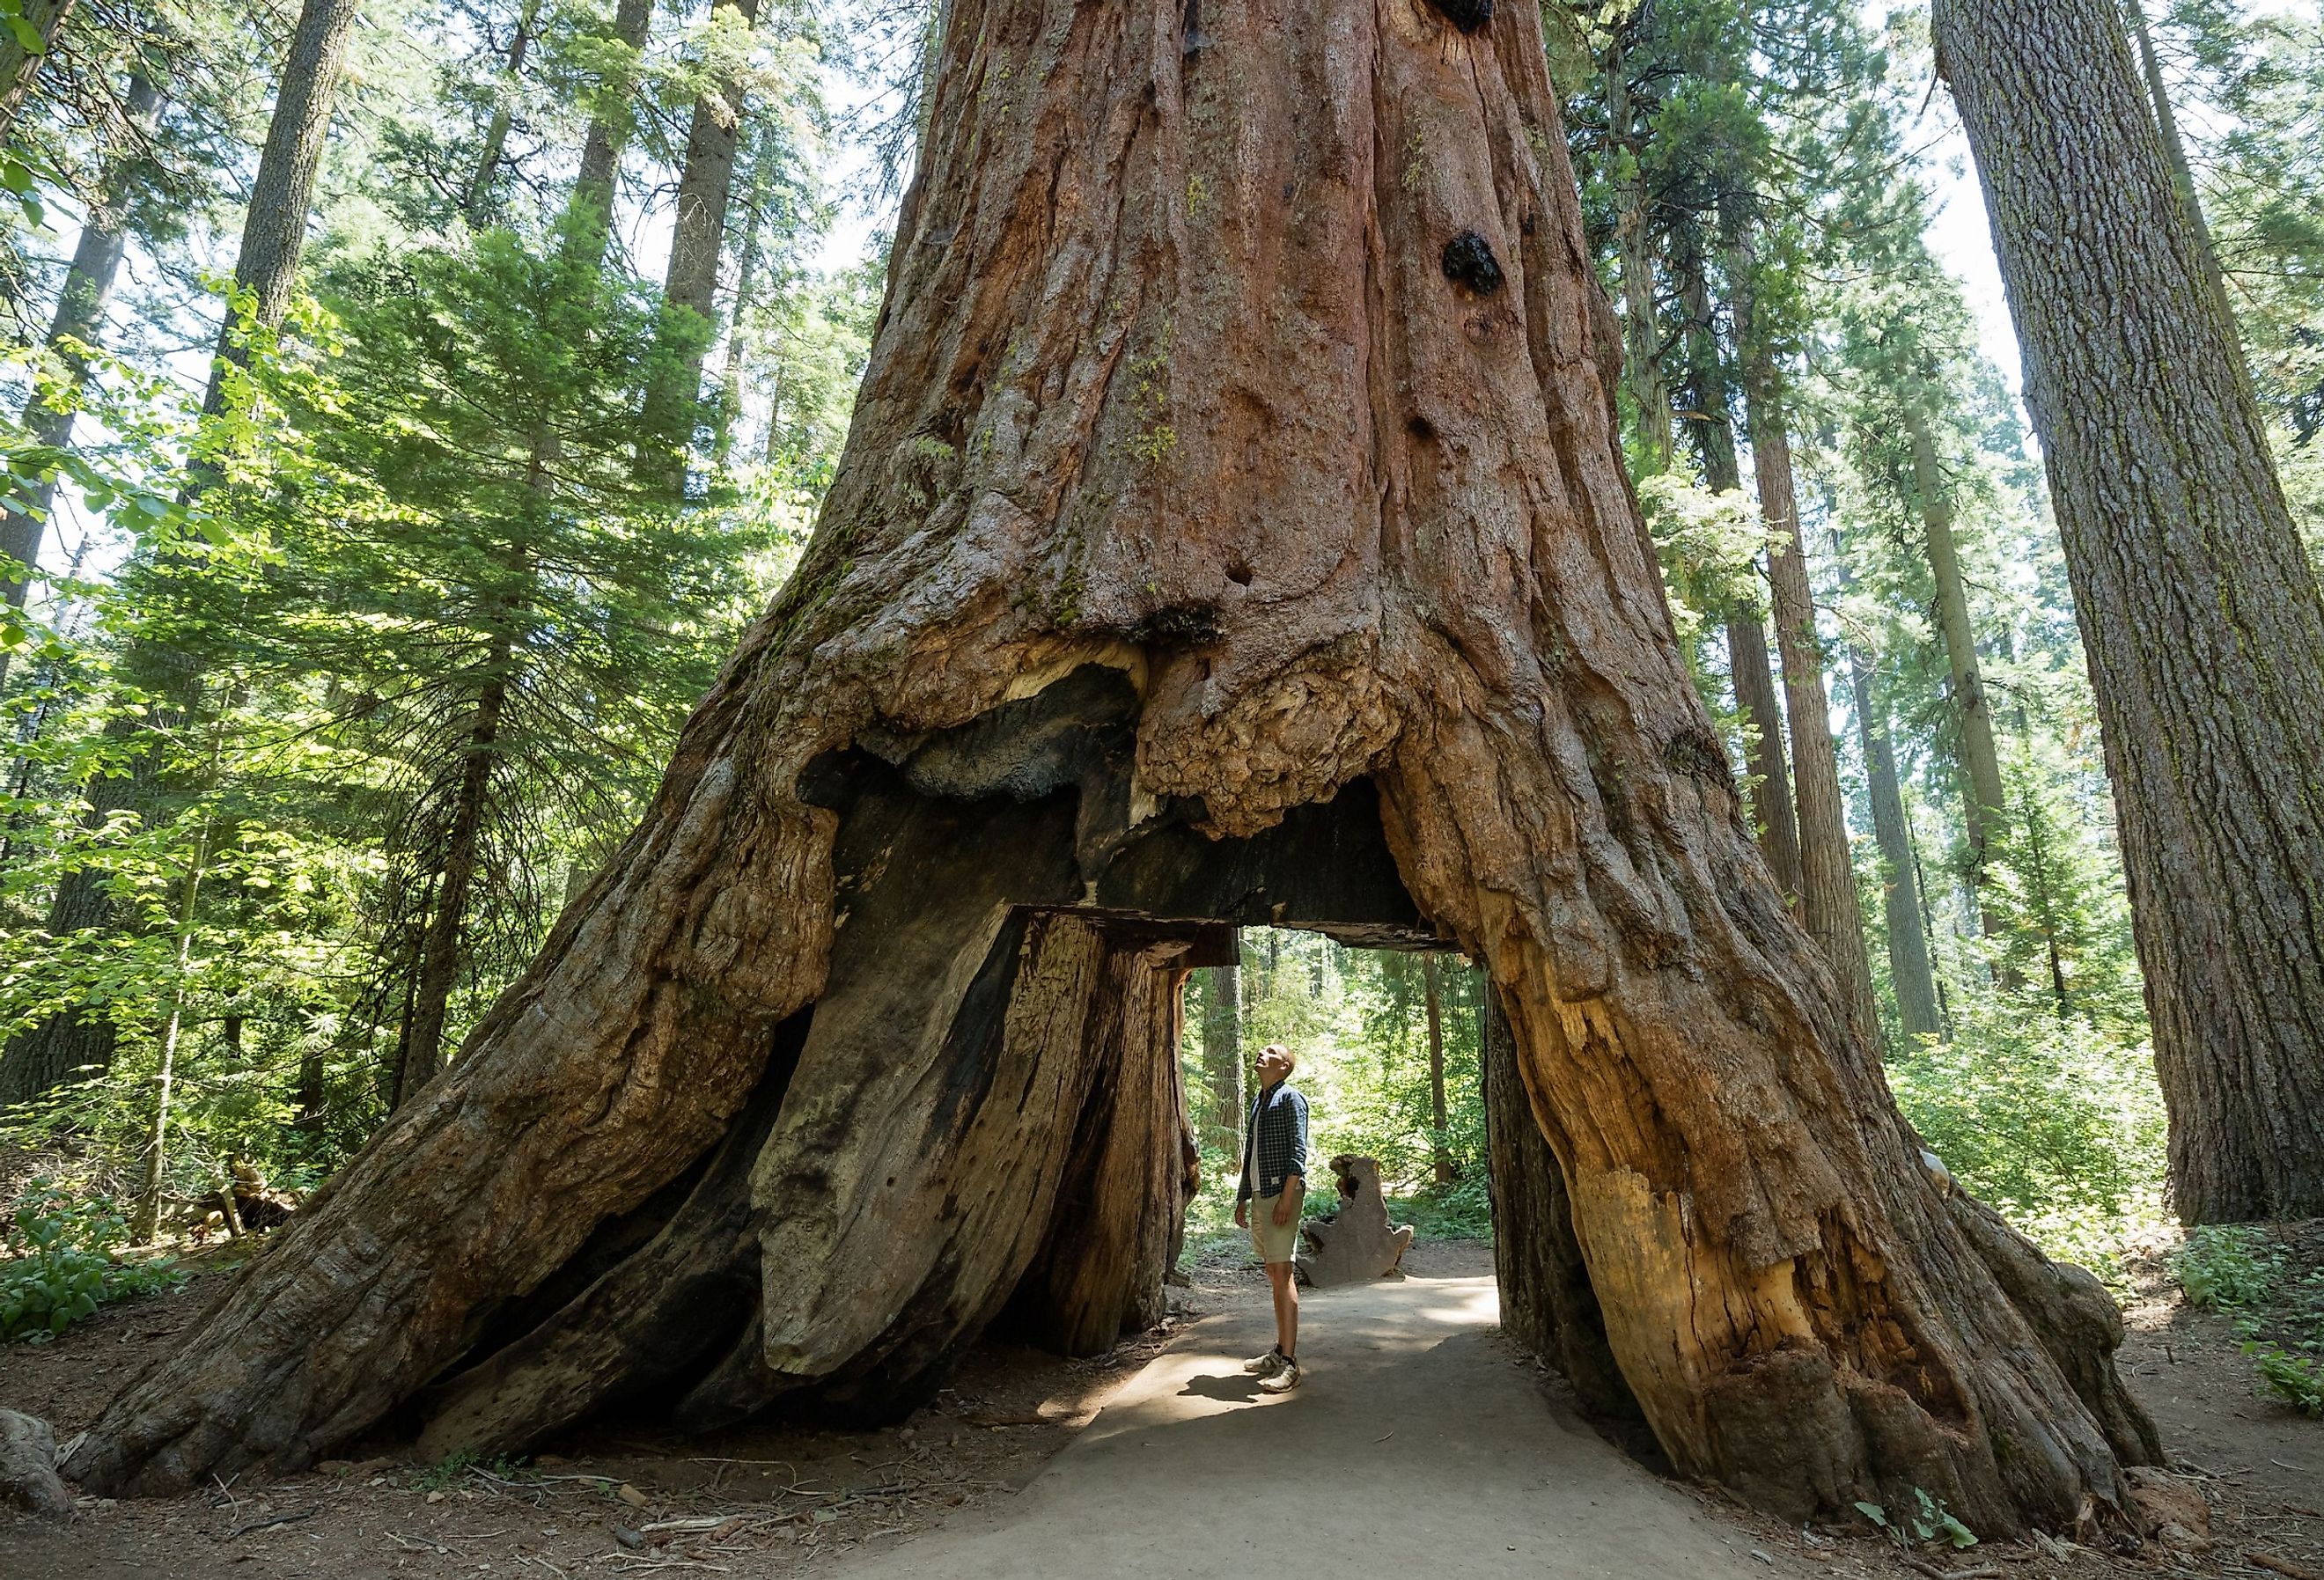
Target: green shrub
{"points": [[2057, 1125], [2227, 1267], [2297, 1381], [59, 1266]]}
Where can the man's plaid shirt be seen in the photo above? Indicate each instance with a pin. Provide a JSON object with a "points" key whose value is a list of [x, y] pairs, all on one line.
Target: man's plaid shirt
{"points": [[1278, 1133]]}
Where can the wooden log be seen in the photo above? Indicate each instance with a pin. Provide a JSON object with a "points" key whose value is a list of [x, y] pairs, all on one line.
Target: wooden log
{"points": [[1356, 1243]]}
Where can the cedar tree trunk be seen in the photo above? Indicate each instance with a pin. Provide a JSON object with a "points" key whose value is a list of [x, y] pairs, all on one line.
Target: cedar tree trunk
{"points": [[1230, 529], [79, 322], [1829, 907], [589, 208], [1909, 972], [706, 186], [2197, 606]]}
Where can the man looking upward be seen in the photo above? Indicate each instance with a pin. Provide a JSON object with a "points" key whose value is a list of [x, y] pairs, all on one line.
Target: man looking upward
{"points": [[1267, 1203]]}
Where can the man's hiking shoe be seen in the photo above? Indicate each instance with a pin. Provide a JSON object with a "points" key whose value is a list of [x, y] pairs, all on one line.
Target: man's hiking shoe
{"points": [[1281, 1380], [1266, 1366]]}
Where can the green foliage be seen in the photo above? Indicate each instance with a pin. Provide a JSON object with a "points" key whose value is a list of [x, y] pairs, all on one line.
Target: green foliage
{"points": [[2297, 1380], [2246, 1273], [2227, 1266], [58, 1263], [1927, 1523], [2059, 1126]]}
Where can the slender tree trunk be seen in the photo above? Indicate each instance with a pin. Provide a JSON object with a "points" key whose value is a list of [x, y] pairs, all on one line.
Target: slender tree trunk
{"points": [[1909, 970], [1749, 666], [1829, 906], [274, 228], [1020, 685], [20, 65], [474, 202], [1983, 806], [705, 185], [78, 321], [1222, 1057], [2174, 150], [422, 1042], [146, 1214], [1642, 369], [729, 384], [589, 210], [2199, 607], [1429, 988]]}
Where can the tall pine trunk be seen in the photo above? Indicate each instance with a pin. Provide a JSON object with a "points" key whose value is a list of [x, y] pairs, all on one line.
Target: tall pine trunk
{"points": [[1198, 555], [2174, 148], [1222, 1057], [2198, 608], [1432, 996], [1983, 802], [20, 59], [78, 321], [476, 202], [1909, 972], [589, 208], [1749, 667], [706, 186], [1829, 906], [274, 229], [1642, 349]]}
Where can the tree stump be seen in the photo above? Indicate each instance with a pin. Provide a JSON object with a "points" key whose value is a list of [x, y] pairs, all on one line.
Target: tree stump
{"points": [[1356, 1243], [1203, 550]]}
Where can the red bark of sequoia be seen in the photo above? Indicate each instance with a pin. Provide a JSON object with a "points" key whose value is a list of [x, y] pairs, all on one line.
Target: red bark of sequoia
{"points": [[1233, 443]]}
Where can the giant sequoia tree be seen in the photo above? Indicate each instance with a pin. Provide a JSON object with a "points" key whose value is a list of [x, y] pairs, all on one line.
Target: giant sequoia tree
{"points": [[1233, 528], [2199, 606]]}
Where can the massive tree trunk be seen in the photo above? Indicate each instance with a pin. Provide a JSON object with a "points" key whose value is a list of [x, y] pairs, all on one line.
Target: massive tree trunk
{"points": [[2200, 610], [1909, 971], [1547, 1305], [1199, 553], [706, 186]]}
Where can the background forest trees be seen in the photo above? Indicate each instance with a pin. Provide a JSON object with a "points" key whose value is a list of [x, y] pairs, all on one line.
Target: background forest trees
{"points": [[332, 665]]}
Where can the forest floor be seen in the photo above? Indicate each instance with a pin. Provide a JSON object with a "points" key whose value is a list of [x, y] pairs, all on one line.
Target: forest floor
{"points": [[940, 1495]]}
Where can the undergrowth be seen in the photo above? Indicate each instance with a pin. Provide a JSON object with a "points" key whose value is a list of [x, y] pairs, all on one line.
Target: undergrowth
{"points": [[59, 1262], [2247, 1273]]}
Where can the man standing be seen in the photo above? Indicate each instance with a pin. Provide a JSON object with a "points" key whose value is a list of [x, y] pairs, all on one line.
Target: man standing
{"points": [[1267, 1203]]}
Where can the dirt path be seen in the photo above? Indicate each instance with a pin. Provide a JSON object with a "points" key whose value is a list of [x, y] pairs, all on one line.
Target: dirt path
{"points": [[1418, 1445]]}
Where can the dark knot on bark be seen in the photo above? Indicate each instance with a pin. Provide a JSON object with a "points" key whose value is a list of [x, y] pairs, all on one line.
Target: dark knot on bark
{"points": [[1469, 262], [1468, 15]]}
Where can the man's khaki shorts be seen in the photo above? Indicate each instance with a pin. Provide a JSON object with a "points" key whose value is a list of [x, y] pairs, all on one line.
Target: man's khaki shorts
{"points": [[1274, 1243]]}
